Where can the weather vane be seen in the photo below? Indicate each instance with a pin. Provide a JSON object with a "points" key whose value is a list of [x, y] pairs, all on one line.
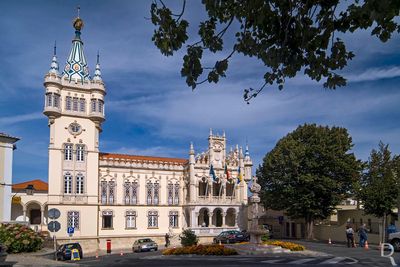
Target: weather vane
{"points": [[79, 10]]}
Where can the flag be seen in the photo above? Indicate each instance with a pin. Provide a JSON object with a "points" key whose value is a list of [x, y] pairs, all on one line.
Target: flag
{"points": [[212, 173], [227, 172], [240, 177]]}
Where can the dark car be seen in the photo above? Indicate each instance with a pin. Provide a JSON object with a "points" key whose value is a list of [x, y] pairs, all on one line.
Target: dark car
{"points": [[231, 236], [144, 244], [64, 251]]}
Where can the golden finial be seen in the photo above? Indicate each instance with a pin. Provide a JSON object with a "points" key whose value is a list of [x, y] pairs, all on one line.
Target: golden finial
{"points": [[78, 22]]}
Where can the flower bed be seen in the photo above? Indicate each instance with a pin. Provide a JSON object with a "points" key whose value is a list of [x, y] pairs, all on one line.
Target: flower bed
{"points": [[20, 238], [287, 245], [217, 250]]}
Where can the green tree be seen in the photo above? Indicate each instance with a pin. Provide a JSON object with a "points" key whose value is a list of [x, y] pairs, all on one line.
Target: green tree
{"points": [[379, 184], [309, 172], [286, 36], [188, 238]]}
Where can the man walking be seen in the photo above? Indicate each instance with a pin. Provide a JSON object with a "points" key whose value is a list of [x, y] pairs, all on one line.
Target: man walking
{"points": [[362, 232], [350, 236], [166, 240]]}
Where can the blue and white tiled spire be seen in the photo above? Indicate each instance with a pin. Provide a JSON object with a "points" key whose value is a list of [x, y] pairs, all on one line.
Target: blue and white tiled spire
{"points": [[97, 72], [76, 67], [54, 63]]}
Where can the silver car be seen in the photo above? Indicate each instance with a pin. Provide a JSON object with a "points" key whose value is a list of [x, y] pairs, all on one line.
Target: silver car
{"points": [[144, 244]]}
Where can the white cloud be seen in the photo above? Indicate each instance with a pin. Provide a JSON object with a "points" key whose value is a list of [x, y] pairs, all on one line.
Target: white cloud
{"points": [[375, 74], [9, 120]]}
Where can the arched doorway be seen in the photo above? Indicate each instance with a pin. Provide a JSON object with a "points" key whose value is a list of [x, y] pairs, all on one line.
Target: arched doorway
{"points": [[33, 213], [17, 212], [203, 219], [230, 219], [217, 217], [203, 188]]}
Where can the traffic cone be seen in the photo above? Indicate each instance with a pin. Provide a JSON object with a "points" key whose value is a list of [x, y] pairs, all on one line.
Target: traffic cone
{"points": [[366, 245], [329, 241], [220, 243]]}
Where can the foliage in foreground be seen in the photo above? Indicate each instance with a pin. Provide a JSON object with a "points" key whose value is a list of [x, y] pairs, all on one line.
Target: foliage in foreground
{"points": [[287, 37], [216, 250], [288, 245], [20, 238], [188, 238]]}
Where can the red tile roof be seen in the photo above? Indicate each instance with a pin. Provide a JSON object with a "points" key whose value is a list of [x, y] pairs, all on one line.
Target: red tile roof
{"points": [[143, 158], [39, 185]]}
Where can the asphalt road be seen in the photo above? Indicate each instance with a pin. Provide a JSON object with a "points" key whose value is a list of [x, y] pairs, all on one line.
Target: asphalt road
{"points": [[333, 255]]}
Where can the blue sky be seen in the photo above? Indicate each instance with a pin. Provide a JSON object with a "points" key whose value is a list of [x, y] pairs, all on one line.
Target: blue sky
{"points": [[149, 108]]}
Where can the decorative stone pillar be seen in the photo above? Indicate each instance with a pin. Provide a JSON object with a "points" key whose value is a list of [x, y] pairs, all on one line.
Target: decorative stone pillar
{"points": [[196, 217], [210, 215], [223, 218], [41, 216], [236, 218], [24, 214]]}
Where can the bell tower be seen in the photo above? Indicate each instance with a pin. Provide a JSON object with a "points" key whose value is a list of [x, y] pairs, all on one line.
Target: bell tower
{"points": [[74, 105]]}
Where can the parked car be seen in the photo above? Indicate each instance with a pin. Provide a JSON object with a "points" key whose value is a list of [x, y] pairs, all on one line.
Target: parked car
{"points": [[64, 251], [231, 236], [394, 239], [144, 244]]}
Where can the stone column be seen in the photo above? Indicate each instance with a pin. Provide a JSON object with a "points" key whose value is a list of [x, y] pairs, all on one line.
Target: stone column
{"points": [[210, 215], [236, 219], [195, 217], [223, 218], [41, 216], [24, 214]]}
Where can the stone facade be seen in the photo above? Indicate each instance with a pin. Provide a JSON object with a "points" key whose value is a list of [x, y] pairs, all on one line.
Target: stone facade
{"points": [[123, 197]]}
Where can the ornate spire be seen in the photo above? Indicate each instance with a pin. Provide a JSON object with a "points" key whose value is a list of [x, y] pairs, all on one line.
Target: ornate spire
{"points": [[97, 72], [247, 153], [54, 63], [76, 66], [191, 151]]}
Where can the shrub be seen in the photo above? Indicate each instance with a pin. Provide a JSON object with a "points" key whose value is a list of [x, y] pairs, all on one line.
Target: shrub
{"points": [[216, 250], [188, 238], [287, 245], [20, 238], [265, 237]]}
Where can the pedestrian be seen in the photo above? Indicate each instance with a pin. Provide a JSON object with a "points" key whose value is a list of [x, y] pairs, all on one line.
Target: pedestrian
{"points": [[166, 240], [350, 236], [362, 232]]}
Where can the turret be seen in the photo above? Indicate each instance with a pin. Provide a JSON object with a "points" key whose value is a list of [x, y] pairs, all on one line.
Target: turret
{"points": [[248, 164], [192, 178]]}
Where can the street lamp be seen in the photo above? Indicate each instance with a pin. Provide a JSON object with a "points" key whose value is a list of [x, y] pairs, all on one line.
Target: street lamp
{"points": [[29, 189]]}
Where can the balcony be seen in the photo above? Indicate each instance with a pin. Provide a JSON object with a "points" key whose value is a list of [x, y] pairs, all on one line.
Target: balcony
{"points": [[97, 116], [51, 111], [217, 200]]}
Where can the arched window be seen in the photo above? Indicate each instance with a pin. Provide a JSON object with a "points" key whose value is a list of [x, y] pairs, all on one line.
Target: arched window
{"points": [[149, 193], [156, 193], [79, 183], [68, 152], [103, 190], [127, 189], [173, 219], [111, 192], [130, 219], [170, 193], [68, 103], [176, 194], [67, 183], [134, 199], [80, 153]]}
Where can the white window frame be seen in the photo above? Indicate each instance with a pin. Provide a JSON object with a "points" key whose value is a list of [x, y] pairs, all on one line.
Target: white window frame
{"points": [[68, 151], [67, 183], [80, 182], [80, 153], [174, 219], [152, 219], [134, 193], [127, 193], [103, 192], [107, 213], [111, 192], [130, 219]]}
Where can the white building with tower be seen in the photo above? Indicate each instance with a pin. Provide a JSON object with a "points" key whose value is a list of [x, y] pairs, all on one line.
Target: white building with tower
{"points": [[123, 197]]}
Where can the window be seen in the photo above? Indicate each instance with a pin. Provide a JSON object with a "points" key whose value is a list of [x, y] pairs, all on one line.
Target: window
{"points": [[67, 183], [93, 105], [173, 219], [149, 193], [156, 192], [80, 153], [73, 219], [111, 192], [134, 199], [127, 187], [152, 219], [49, 99], [170, 193], [75, 104], [68, 103], [101, 105], [82, 105], [79, 183], [68, 152], [131, 219], [107, 219], [176, 194], [103, 190], [56, 102]]}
